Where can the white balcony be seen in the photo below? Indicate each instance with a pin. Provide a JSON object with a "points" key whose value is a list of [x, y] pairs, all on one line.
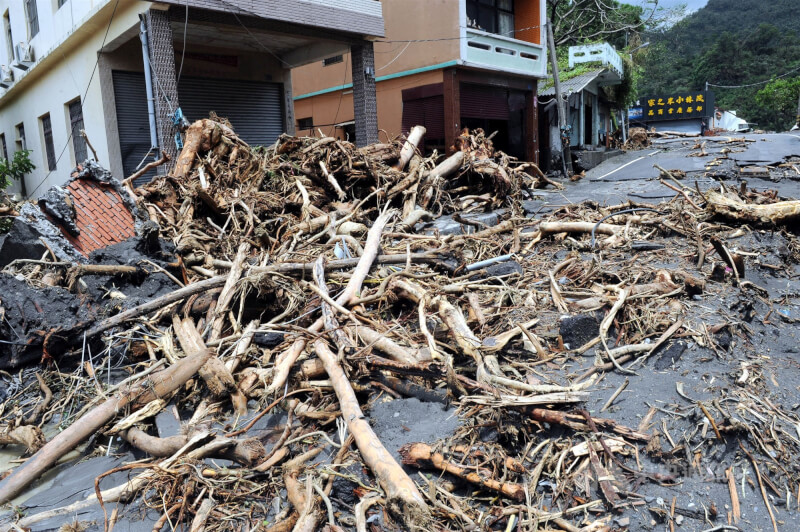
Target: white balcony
{"points": [[590, 53], [496, 52]]}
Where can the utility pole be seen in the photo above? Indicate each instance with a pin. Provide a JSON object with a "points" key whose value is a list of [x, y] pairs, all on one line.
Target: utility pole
{"points": [[797, 120], [566, 155]]}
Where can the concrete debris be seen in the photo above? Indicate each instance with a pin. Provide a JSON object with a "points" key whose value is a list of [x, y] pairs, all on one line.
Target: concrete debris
{"points": [[32, 234], [56, 203]]}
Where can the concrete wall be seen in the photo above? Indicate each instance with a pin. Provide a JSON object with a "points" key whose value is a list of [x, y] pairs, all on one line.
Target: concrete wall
{"points": [[405, 20], [323, 108], [60, 77], [529, 21], [55, 23]]}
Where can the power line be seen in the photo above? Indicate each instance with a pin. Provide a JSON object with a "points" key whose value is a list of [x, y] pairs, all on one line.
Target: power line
{"points": [[754, 84], [183, 52], [273, 54], [86, 93]]}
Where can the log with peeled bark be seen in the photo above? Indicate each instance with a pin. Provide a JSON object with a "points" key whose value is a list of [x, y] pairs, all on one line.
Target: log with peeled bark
{"points": [[403, 498], [150, 389], [422, 454], [228, 291], [214, 373], [732, 208], [449, 166], [410, 147], [203, 136], [246, 452]]}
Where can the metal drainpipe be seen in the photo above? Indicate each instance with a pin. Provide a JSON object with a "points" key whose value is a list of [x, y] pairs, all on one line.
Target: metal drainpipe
{"points": [[148, 83]]}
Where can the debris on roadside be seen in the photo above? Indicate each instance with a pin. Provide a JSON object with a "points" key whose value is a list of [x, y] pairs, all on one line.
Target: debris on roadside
{"points": [[240, 351]]}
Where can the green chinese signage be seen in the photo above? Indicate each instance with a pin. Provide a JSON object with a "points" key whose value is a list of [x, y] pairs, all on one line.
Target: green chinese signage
{"points": [[679, 106]]}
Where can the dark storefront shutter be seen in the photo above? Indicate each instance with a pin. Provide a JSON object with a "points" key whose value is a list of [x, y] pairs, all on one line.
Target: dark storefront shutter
{"points": [[428, 112], [478, 101], [254, 108], [133, 124]]}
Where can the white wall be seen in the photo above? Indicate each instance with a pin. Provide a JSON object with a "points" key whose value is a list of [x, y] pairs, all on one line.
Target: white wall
{"points": [[66, 54]]}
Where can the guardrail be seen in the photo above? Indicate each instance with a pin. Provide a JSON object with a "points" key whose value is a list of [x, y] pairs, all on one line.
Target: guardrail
{"points": [[603, 52], [503, 53]]}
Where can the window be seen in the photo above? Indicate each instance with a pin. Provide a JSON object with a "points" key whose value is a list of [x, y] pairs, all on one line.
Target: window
{"points": [[493, 16], [305, 123], [76, 125], [60, 3], [332, 60], [4, 153], [22, 144], [9, 38], [33, 18], [49, 148]]}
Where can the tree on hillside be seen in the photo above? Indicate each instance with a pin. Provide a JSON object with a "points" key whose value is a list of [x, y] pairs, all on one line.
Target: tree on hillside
{"points": [[780, 97], [725, 63]]}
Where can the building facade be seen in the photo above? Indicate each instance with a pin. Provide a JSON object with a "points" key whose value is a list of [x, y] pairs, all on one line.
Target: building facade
{"points": [[590, 114], [444, 64], [124, 71]]}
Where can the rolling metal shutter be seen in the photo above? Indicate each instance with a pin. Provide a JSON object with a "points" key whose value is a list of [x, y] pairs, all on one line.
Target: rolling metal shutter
{"points": [[254, 108], [133, 126], [479, 101], [428, 112]]}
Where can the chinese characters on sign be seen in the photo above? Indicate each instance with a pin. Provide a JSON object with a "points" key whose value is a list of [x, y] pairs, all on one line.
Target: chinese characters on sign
{"points": [[698, 104]]}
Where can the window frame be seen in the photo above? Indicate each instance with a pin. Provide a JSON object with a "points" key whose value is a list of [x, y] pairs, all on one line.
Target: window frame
{"points": [[22, 139], [46, 124], [476, 5], [79, 148], [8, 36], [301, 123], [32, 16]]}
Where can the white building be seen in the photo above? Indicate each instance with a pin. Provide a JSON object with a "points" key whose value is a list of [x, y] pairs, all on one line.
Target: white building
{"points": [[72, 65]]}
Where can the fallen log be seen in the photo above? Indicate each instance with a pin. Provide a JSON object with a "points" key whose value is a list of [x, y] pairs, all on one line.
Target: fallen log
{"points": [[410, 147], [421, 454], [214, 373], [403, 498], [782, 212], [156, 386]]}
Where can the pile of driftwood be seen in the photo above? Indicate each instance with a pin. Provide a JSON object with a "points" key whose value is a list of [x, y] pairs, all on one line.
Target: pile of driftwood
{"points": [[303, 287]]}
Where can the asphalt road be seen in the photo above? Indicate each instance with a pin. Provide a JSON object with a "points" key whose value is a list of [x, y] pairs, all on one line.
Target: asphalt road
{"points": [[672, 154]]}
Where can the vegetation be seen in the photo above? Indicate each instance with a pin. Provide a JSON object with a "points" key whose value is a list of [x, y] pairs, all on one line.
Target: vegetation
{"points": [[622, 25], [743, 46], [780, 96], [16, 168], [619, 24]]}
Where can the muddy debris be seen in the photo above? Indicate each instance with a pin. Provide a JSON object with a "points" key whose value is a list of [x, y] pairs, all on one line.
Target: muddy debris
{"points": [[318, 336]]}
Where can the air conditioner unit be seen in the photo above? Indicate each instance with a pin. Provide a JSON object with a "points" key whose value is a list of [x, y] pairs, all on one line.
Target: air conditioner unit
{"points": [[25, 55]]}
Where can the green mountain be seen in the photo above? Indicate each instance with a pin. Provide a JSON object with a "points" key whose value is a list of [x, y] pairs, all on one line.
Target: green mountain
{"points": [[732, 43]]}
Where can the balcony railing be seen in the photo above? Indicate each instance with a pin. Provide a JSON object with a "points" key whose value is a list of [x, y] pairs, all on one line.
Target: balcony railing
{"points": [[602, 52], [503, 53]]}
